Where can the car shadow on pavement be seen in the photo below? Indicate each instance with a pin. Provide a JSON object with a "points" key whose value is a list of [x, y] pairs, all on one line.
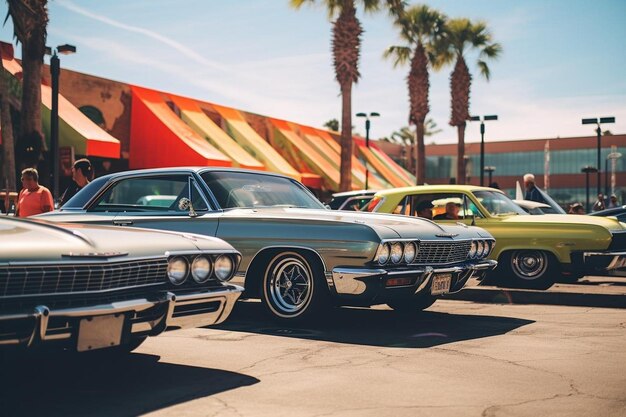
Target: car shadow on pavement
{"points": [[375, 327], [61, 384]]}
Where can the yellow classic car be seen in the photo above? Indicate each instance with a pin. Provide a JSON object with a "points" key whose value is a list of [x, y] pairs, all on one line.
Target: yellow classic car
{"points": [[532, 251]]}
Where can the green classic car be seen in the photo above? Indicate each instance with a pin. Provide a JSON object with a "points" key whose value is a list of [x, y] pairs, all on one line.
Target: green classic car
{"points": [[297, 256], [82, 288], [532, 251]]}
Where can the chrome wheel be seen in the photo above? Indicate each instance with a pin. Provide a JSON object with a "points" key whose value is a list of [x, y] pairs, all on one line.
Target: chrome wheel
{"points": [[288, 285], [529, 264]]}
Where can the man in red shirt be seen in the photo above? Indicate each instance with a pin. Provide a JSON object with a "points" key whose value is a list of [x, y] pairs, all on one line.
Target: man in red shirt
{"points": [[34, 198]]}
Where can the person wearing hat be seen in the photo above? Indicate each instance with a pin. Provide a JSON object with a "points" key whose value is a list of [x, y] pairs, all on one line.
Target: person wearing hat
{"points": [[576, 208], [613, 201], [82, 173], [424, 209], [451, 213]]}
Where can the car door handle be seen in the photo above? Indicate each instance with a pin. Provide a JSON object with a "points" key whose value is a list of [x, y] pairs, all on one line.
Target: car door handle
{"points": [[122, 222]]}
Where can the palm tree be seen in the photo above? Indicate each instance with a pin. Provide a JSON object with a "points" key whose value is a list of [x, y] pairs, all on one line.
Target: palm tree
{"points": [[346, 46], [419, 27], [6, 125], [30, 21], [460, 35]]}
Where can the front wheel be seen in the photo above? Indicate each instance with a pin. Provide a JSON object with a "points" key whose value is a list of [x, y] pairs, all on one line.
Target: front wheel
{"points": [[532, 269], [292, 287]]}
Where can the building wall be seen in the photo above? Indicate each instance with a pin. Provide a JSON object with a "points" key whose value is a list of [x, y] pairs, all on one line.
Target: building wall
{"points": [[512, 159], [111, 98]]}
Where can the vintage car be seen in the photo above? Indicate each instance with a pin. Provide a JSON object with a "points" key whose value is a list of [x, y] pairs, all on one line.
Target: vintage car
{"points": [[351, 200], [298, 256], [618, 212], [82, 287], [532, 251]]}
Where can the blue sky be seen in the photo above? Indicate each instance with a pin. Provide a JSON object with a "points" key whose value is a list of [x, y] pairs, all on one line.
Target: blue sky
{"points": [[563, 60]]}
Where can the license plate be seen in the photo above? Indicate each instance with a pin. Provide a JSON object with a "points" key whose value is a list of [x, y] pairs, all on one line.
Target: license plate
{"points": [[100, 332], [441, 284]]}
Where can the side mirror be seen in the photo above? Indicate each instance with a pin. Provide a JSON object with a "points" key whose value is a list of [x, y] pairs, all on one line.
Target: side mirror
{"points": [[186, 205]]}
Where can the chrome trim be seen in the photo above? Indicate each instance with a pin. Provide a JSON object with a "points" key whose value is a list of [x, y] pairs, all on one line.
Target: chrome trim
{"points": [[42, 314], [201, 252], [54, 294], [346, 280], [618, 259], [86, 262], [351, 281]]}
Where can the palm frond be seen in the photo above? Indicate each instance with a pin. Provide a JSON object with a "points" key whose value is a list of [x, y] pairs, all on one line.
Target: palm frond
{"points": [[399, 54]]}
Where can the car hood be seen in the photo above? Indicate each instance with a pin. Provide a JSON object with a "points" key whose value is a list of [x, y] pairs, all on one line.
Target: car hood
{"points": [[570, 219], [387, 226], [24, 241]]}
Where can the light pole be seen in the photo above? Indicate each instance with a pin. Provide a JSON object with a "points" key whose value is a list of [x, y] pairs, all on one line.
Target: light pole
{"points": [[367, 139], [55, 69], [598, 122], [613, 156], [482, 142], [490, 170], [587, 169]]}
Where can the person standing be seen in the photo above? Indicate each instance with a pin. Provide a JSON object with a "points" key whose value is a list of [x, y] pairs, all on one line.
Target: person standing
{"points": [[33, 198], [82, 173], [532, 193], [613, 201], [599, 204]]}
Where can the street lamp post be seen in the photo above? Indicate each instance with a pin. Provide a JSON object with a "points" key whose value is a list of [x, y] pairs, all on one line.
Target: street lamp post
{"points": [[490, 170], [587, 169], [367, 140], [55, 70], [482, 142], [598, 122], [613, 156]]}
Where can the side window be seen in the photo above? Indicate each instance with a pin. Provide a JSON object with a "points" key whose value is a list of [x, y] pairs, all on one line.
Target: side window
{"points": [[158, 193], [448, 206], [471, 209], [404, 206]]}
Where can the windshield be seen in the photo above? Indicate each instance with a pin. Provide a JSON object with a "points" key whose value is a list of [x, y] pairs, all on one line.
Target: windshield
{"points": [[249, 190], [497, 203]]}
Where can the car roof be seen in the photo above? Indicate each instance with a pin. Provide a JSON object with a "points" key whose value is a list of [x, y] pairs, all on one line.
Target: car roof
{"points": [[440, 187], [354, 193], [196, 169]]}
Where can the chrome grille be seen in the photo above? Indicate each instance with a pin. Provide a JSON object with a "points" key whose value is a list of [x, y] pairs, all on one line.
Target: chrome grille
{"points": [[442, 252], [73, 278]]}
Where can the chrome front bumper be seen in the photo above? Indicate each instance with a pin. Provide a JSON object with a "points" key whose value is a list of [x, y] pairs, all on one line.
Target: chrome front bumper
{"points": [[605, 263], [370, 283], [141, 317]]}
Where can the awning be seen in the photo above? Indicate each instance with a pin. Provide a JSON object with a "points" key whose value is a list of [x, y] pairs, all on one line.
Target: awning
{"points": [[75, 129], [192, 114], [159, 138], [254, 144]]}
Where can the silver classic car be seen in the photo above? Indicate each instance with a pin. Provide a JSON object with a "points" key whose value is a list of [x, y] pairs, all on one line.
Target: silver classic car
{"points": [[87, 287], [297, 256]]}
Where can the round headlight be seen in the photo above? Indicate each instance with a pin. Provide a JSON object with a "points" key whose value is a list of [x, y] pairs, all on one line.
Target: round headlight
{"points": [[396, 252], [481, 249], [472, 251], [177, 270], [410, 250], [201, 269], [223, 268], [383, 253], [488, 246]]}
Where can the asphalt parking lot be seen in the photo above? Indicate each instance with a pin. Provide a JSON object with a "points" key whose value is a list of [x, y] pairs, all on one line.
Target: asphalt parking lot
{"points": [[459, 358]]}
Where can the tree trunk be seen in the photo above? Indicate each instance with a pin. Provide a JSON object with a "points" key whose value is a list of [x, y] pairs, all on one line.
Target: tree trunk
{"points": [[460, 162], [6, 125], [420, 155], [346, 137], [30, 135]]}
